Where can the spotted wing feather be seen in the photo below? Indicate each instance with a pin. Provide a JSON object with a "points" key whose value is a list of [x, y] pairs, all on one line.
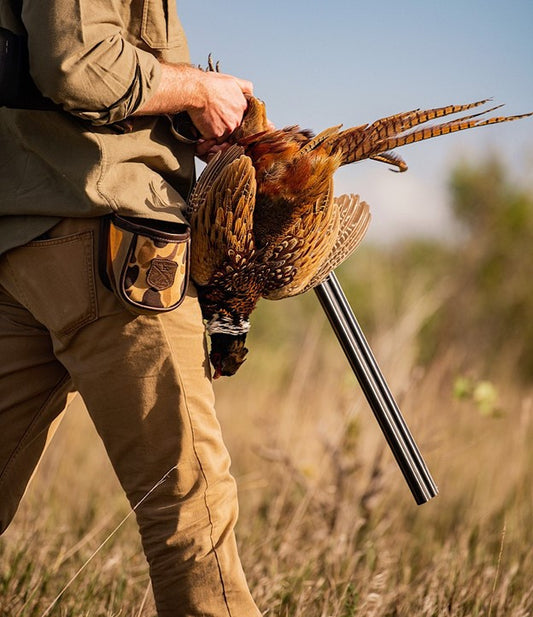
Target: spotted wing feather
{"points": [[222, 218], [354, 219], [294, 260], [211, 174]]}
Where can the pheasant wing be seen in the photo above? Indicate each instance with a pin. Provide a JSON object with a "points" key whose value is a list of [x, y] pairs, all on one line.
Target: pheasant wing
{"points": [[295, 258], [354, 219], [212, 173], [221, 215]]}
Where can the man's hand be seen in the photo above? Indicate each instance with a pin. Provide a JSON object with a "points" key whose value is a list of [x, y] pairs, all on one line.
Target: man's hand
{"points": [[216, 102], [219, 104], [206, 149]]}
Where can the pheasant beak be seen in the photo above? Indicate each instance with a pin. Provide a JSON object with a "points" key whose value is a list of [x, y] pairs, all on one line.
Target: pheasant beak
{"points": [[216, 361]]}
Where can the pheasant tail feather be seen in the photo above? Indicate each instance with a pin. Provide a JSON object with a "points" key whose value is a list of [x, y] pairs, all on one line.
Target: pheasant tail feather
{"points": [[373, 140]]}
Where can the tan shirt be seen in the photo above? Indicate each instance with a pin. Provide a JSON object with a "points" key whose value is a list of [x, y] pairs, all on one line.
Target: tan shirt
{"points": [[99, 60]]}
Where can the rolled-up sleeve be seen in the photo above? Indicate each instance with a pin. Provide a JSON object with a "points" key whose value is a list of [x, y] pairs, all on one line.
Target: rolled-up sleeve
{"points": [[81, 59]]}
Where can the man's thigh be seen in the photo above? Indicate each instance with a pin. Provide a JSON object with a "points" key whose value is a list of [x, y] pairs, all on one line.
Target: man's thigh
{"points": [[33, 392]]}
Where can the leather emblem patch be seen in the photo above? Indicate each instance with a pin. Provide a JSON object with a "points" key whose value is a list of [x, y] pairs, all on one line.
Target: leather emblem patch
{"points": [[162, 273]]}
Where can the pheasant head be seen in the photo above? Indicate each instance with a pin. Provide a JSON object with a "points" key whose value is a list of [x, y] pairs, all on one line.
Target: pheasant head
{"points": [[228, 352], [227, 297]]}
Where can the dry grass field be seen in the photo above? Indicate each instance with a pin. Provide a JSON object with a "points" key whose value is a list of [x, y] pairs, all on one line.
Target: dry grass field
{"points": [[328, 527]]}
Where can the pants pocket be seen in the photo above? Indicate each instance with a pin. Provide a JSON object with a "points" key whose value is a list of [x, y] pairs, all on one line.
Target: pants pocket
{"points": [[55, 280]]}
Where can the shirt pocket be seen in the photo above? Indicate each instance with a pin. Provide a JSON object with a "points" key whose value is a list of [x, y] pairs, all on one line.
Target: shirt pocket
{"points": [[160, 26]]}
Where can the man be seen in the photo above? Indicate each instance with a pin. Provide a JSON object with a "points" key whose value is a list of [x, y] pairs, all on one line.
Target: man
{"points": [[145, 379]]}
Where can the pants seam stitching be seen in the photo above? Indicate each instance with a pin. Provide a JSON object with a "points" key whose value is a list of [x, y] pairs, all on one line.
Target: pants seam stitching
{"points": [[198, 459]]}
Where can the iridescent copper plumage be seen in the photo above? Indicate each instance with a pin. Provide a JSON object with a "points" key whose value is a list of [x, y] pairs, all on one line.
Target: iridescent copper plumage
{"points": [[264, 219]]}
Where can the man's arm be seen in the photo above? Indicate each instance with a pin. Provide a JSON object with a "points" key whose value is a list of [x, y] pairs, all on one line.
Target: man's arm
{"points": [[79, 58], [90, 69], [215, 102]]}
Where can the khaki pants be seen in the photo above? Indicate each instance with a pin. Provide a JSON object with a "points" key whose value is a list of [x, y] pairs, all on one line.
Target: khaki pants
{"points": [[146, 383]]}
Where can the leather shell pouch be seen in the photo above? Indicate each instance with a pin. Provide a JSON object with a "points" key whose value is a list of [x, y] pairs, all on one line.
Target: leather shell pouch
{"points": [[145, 262]]}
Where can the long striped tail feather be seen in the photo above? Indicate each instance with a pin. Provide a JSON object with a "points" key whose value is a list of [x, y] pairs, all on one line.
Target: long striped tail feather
{"points": [[374, 140]]}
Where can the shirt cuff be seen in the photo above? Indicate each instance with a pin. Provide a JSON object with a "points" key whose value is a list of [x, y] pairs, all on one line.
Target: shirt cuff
{"points": [[144, 76]]}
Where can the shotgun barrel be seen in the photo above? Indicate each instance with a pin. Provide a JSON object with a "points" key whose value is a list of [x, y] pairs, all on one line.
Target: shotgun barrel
{"points": [[375, 389]]}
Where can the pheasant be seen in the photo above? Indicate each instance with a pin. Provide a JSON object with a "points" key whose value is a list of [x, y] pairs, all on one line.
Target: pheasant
{"points": [[265, 223]]}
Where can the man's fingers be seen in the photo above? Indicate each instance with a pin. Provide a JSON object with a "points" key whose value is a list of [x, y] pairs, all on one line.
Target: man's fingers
{"points": [[224, 106], [204, 146], [205, 150], [218, 132], [246, 86]]}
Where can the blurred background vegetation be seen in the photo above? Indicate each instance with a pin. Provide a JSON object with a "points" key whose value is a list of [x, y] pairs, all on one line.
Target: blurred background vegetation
{"points": [[328, 527]]}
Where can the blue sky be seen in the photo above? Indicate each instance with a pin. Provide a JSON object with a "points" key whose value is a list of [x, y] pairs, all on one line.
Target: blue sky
{"points": [[319, 64]]}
